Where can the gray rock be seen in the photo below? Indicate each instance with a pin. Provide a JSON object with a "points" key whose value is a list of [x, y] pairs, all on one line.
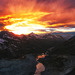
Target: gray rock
{"points": [[25, 66]]}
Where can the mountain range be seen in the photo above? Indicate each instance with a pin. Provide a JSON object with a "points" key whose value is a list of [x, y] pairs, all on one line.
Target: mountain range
{"points": [[67, 47], [60, 50], [13, 46]]}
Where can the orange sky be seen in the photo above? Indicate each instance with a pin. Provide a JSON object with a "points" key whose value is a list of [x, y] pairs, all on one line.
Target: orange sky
{"points": [[38, 16]]}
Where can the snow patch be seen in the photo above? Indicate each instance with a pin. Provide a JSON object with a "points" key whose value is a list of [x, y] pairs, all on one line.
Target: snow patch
{"points": [[2, 41]]}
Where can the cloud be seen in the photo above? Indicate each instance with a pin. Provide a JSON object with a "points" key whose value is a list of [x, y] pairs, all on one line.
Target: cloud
{"points": [[1, 26], [46, 30], [16, 6], [46, 1], [62, 12], [70, 4], [19, 6]]}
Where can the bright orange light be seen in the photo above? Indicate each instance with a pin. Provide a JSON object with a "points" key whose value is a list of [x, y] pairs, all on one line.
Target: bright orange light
{"points": [[23, 30], [40, 56], [26, 23]]}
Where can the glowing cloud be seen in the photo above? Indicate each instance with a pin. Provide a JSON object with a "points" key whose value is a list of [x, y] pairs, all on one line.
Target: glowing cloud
{"points": [[38, 16], [27, 24]]}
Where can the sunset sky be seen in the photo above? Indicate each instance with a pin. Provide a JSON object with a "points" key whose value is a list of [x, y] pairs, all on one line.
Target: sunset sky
{"points": [[38, 16]]}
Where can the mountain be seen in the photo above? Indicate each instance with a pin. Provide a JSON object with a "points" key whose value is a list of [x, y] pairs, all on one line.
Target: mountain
{"points": [[66, 35], [15, 46], [60, 60], [68, 47], [72, 72], [26, 66], [44, 36]]}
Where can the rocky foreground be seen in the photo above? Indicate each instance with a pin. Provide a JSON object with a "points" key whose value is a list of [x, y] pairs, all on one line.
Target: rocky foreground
{"points": [[60, 67], [26, 66], [29, 65], [16, 58]]}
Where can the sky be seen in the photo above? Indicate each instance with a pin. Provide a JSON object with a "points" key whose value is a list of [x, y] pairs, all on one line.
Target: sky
{"points": [[38, 16]]}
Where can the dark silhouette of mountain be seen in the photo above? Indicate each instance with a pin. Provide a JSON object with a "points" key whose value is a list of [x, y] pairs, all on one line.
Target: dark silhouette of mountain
{"points": [[61, 58], [68, 47], [66, 35], [72, 72], [13, 46]]}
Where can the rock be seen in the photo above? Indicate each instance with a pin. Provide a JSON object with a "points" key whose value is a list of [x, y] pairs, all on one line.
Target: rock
{"points": [[25, 66]]}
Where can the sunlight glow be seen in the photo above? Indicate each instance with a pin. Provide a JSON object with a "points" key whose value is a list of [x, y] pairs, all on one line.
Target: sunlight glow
{"points": [[26, 23]]}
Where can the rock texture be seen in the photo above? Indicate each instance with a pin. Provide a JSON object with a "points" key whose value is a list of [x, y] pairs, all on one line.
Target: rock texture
{"points": [[25, 66]]}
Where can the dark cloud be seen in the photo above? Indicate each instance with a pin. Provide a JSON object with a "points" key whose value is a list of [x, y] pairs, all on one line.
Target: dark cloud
{"points": [[70, 25], [1, 26], [64, 26], [61, 21], [70, 3], [48, 1], [46, 30], [42, 30], [52, 29]]}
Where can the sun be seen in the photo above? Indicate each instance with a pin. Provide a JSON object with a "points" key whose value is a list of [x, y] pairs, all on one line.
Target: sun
{"points": [[24, 30]]}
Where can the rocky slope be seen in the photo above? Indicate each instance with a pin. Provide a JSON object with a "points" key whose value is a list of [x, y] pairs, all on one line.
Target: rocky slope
{"points": [[66, 35], [26, 66], [68, 47], [61, 59], [15, 46]]}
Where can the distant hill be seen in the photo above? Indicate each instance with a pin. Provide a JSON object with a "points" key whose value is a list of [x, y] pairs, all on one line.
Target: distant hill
{"points": [[68, 47], [66, 35]]}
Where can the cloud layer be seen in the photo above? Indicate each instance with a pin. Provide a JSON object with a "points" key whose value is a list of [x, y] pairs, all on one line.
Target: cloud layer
{"points": [[62, 12]]}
